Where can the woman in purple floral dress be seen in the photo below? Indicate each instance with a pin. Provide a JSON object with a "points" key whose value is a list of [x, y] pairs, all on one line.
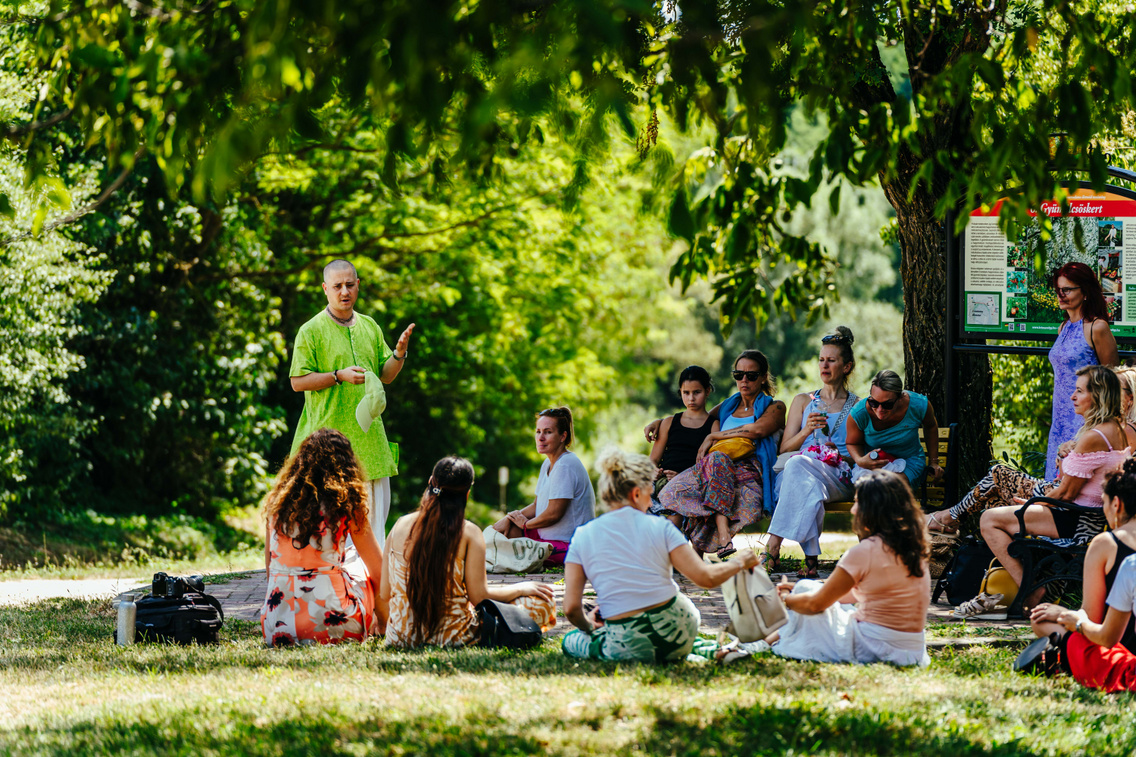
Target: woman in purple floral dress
{"points": [[1083, 339]]}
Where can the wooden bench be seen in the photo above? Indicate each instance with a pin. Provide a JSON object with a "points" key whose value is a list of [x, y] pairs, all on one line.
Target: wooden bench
{"points": [[933, 495]]}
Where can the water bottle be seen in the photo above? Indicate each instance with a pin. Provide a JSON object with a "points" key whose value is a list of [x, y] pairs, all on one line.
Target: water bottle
{"points": [[127, 615], [874, 454]]}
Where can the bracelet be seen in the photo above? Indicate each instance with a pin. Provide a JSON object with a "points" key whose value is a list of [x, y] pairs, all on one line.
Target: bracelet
{"points": [[396, 357], [335, 377]]}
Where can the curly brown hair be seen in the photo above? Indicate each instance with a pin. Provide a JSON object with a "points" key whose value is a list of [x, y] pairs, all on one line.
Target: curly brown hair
{"points": [[321, 485], [885, 507]]}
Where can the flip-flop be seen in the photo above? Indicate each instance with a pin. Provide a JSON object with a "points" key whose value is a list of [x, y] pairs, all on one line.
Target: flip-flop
{"points": [[726, 551], [936, 526]]}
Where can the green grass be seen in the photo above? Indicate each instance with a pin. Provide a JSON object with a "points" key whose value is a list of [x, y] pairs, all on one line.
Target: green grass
{"points": [[69, 691]]}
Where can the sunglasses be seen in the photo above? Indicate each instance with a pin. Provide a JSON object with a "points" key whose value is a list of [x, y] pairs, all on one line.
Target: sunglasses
{"points": [[832, 339], [876, 404], [751, 375]]}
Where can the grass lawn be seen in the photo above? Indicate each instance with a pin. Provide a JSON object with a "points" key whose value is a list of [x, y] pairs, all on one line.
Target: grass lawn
{"points": [[68, 690]]}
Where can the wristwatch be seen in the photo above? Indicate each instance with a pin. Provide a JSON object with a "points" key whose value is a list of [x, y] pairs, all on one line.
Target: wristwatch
{"points": [[1077, 626]]}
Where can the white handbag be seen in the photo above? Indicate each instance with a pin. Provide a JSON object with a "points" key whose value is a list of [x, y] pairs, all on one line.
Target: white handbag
{"points": [[505, 555], [755, 607]]}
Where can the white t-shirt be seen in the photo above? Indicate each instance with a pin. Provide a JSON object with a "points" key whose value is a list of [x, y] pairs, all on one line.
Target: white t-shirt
{"points": [[626, 554], [568, 480], [1122, 596]]}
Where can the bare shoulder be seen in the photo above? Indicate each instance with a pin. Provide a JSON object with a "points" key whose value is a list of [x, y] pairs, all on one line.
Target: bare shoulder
{"points": [[471, 531]]}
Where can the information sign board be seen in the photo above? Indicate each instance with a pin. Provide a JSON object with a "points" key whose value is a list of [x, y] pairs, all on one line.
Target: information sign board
{"points": [[1007, 288]]}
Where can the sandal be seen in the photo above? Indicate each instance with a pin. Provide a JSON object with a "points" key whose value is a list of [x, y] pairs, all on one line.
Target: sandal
{"points": [[812, 562], [770, 561], [726, 551], [1041, 656], [982, 607], [937, 526]]}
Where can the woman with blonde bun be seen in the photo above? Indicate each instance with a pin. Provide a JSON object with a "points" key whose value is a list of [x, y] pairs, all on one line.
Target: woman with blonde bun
{"points": [[628, 556]]}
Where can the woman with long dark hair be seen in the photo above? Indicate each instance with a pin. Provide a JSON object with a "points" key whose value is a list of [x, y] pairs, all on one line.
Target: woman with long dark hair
{"points": [[886, 575], [1084, 338], [723, 494], [315, 592], [434, 574]]}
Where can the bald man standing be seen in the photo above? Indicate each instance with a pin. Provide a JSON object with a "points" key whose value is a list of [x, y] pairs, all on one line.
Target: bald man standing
{"points": [[334, 352]]}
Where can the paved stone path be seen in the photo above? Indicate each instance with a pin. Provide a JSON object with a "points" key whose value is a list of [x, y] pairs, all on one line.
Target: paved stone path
{"points": [[243, 597]]}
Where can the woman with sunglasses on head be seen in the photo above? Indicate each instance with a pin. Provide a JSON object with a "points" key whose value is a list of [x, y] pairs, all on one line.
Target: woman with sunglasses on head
{"points": [[721, 495], [819, 471], [434, 572], [883, 431], [1099, 606], [1100, 446], [564, 497], [1084, 338]]}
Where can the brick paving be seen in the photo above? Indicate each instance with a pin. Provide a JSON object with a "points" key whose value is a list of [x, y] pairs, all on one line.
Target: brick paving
{"points": [[242, 598]]}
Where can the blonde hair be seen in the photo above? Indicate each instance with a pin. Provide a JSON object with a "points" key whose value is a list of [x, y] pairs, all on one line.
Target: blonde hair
{"points": [[1104, 388], [888, 381], [620, 472], [1127, 376]]}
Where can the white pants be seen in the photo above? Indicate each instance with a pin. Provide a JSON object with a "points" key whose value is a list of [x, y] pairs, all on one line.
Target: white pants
{"points": [[807, 485], [379, 505], [835, 635], [379, 502]]}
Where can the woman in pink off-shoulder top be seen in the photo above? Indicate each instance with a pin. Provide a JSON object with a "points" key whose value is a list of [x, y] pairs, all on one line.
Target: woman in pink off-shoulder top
{"points": [[1099, 447]]}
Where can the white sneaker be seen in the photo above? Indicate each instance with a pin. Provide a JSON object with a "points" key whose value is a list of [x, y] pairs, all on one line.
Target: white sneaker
{"points": [[982, 607]]}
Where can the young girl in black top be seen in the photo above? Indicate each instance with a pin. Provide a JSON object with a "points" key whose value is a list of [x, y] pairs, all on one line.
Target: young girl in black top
{"points": [[680, 436]]}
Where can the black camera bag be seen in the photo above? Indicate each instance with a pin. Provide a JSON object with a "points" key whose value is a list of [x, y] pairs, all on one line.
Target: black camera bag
{"points": [[962, 576], [506, 625], [179, 620]]}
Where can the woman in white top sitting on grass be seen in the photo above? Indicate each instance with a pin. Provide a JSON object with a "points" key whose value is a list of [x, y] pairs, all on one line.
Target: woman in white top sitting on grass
{"points": [[628, 555]]}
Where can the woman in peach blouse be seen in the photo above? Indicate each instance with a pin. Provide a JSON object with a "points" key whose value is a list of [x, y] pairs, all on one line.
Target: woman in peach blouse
{"points": [[874, 606]]}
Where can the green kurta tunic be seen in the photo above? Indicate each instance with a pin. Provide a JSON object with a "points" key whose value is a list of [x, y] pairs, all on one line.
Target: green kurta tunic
{"points": [[322, 346]]}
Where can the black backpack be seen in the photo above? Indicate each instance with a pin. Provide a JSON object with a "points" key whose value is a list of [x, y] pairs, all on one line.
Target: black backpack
{"points": [[506, 625], [962, 576], [194, 616]]}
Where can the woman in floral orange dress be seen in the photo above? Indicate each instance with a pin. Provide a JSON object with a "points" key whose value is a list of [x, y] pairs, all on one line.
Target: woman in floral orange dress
{"points": [[434, 572], [319, 590]]}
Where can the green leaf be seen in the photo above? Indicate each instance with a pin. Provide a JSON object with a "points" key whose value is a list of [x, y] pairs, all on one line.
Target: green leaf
{"points": [[6, 208], [679, 221]]}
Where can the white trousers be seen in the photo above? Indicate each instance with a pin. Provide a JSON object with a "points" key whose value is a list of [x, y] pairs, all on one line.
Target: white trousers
{"points": [[806, 484], [378, 504]]}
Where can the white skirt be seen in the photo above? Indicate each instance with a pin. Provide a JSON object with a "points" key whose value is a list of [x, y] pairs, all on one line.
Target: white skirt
{"points": [[836, 636]]}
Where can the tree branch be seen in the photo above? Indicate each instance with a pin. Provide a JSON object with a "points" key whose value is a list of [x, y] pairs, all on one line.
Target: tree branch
{"points": [[47, 123], [76, 215]]}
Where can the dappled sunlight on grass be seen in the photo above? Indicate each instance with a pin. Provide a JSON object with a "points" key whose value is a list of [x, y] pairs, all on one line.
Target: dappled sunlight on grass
{"points": [[68, 689]]}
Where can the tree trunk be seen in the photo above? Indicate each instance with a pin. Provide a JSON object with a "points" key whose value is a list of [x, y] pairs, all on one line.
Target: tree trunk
{"points": [[924, 274]]}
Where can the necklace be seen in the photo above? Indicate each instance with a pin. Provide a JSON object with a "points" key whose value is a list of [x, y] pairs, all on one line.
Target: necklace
{"points": [[828, 405], [341, 321]]}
